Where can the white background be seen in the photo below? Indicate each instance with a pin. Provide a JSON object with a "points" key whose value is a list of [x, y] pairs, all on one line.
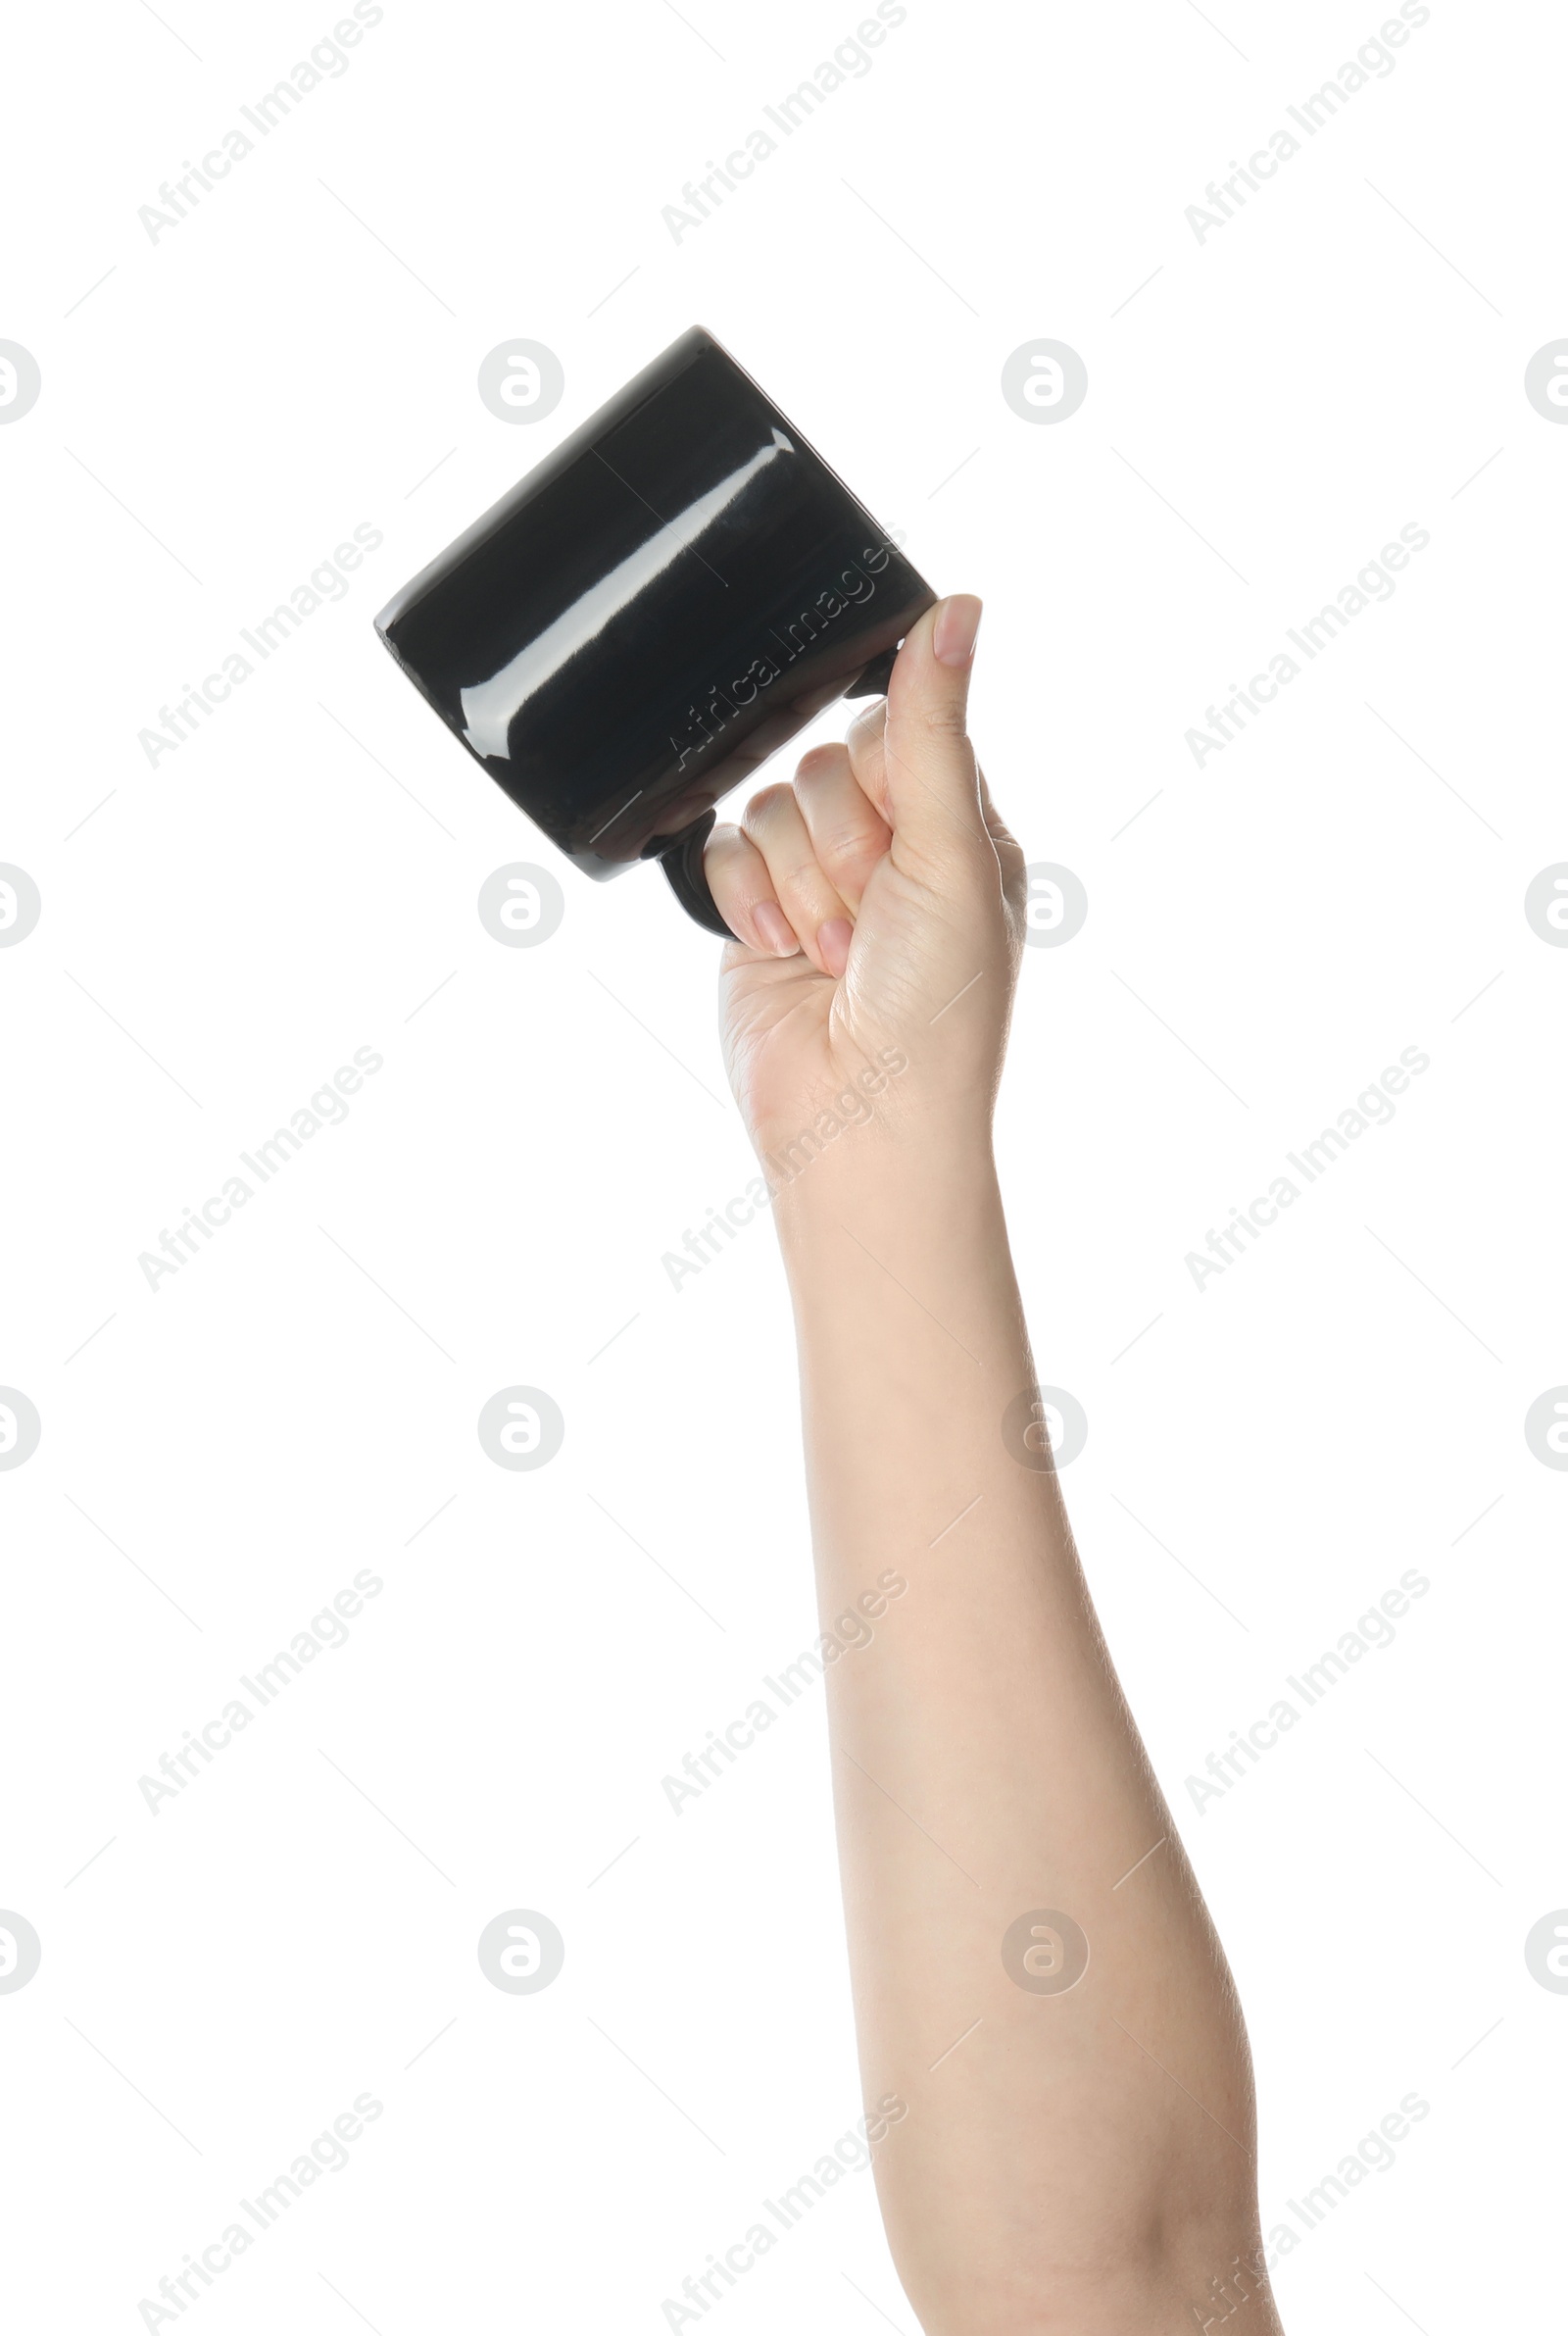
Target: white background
{"points": [[219, 934]]}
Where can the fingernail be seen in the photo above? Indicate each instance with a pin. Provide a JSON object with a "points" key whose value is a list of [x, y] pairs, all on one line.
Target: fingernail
{"points": [[833, 939], [956, 629], [774, 930]]}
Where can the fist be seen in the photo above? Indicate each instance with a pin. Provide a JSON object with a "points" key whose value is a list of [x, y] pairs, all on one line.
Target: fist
{"points": [[877, 903]]}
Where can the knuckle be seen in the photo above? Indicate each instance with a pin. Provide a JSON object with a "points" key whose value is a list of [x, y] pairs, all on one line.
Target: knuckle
{"points": [[801, 879], [849, 847], [763, 813], [940, 719]]}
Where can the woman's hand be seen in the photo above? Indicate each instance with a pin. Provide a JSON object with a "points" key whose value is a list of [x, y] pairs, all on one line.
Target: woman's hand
{"points": [[880, 904]]}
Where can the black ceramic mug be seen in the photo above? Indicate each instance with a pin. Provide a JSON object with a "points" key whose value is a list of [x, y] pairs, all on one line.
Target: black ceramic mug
{"points": [[651, 613]]}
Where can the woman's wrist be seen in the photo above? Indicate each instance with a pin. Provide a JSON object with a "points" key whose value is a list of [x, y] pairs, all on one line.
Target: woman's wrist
{"points": [[884, 1215], [914, 1169]]}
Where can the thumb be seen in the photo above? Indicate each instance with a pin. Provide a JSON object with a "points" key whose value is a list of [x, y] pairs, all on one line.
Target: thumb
{"points": [[930, 771]]}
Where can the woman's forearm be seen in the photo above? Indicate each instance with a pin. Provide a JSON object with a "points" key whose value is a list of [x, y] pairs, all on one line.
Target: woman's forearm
{"points": [[1034, 1970], [1075, 2154]]}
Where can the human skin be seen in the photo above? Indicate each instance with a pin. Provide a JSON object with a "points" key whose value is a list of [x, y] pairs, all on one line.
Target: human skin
{"points": [[1084, 2160]]}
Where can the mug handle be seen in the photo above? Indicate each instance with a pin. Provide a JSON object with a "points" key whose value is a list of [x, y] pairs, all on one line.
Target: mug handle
{"points": [[683, 863], [682, 860]]}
